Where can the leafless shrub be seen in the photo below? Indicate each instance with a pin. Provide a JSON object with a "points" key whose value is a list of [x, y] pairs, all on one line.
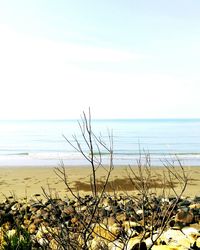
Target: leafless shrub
{"points": [[87, 220], [80, 220], [153, 200]]}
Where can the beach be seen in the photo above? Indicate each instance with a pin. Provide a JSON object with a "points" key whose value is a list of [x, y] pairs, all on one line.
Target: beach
{"points": [[27, 182], [30, 151]]}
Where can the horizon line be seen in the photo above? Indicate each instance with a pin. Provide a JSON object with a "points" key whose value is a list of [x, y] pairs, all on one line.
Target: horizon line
{"points": [[99, 119]]}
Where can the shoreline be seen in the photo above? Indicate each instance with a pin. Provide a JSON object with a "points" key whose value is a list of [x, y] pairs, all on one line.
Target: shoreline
{"points": [[27, 181], [87, 166]]}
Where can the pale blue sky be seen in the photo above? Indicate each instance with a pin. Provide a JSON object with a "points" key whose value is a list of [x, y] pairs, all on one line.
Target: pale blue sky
{"points": [[124, 59]]}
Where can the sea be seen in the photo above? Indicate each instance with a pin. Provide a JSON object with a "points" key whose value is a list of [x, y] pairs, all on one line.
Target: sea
{"points": [[53, 142]]}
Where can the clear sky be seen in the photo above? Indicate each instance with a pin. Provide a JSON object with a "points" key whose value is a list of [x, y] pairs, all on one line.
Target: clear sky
{"points": [[124, 59]]}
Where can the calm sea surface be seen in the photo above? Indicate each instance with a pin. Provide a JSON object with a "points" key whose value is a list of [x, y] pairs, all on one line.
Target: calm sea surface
{"points": [[34, 143]]}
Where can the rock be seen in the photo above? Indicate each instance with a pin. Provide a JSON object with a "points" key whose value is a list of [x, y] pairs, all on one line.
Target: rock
{"points": [[136, 244], [198, 242], [109, 221], [115, 229], [37, 221], [74, 220], [36, 205], [37, 195], [130, 224], [11, 233], [100, 230], [54, 245], [131, 228], [165, 247], [149, 241], [197, 199], [115, 245], [33, 209], [97, 243], [115, 220], [175, 225], [15, 207], [121, 217], [184, 217], [194, 206], [175, 238], [32, 228], [27, 223], [69, 210], [191, 233], [139, 212], [45, 216], [44, 232], [116, 209], [108, 208], [105, 212], [2, 240], [106, 202], [25, 207], [49, 207], [39, 213], [83, 208], [43, 242], [184, 203], [165, 200], [7, 226]]}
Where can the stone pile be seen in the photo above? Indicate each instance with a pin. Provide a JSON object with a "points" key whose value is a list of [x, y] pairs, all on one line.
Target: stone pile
{"points": [[110, 223]]}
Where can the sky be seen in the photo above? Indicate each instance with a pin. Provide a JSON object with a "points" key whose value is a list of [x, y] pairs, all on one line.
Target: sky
{"points": [[123, 59]]}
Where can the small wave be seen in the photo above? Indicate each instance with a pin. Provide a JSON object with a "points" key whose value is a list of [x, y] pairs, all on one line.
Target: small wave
{"points": [[55, 155], [25, 153], [53, 158], [3, 153]]}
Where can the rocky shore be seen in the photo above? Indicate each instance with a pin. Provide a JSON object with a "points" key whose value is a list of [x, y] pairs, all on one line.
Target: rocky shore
{"points": [[110, 223]]}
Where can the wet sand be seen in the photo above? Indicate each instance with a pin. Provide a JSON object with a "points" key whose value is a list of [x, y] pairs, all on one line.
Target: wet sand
{"points": [[28, 181]]}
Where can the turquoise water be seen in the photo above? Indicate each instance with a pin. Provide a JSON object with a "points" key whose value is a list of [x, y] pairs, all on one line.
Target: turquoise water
{"points": [[31, 143]]}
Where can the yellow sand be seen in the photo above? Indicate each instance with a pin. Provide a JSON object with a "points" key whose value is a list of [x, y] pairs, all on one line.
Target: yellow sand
{"points": [[27, 181]]}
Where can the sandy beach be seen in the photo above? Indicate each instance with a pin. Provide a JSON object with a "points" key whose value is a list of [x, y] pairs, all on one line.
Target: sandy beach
{"points": [[28, 181]]}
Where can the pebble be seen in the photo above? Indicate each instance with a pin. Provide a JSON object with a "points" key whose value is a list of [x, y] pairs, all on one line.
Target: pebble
{"points": [[185, 217], [136, 243], [118, 222]]}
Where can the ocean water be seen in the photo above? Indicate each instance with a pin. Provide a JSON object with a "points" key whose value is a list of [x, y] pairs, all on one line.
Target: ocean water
{"points": [[41, 142]]}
